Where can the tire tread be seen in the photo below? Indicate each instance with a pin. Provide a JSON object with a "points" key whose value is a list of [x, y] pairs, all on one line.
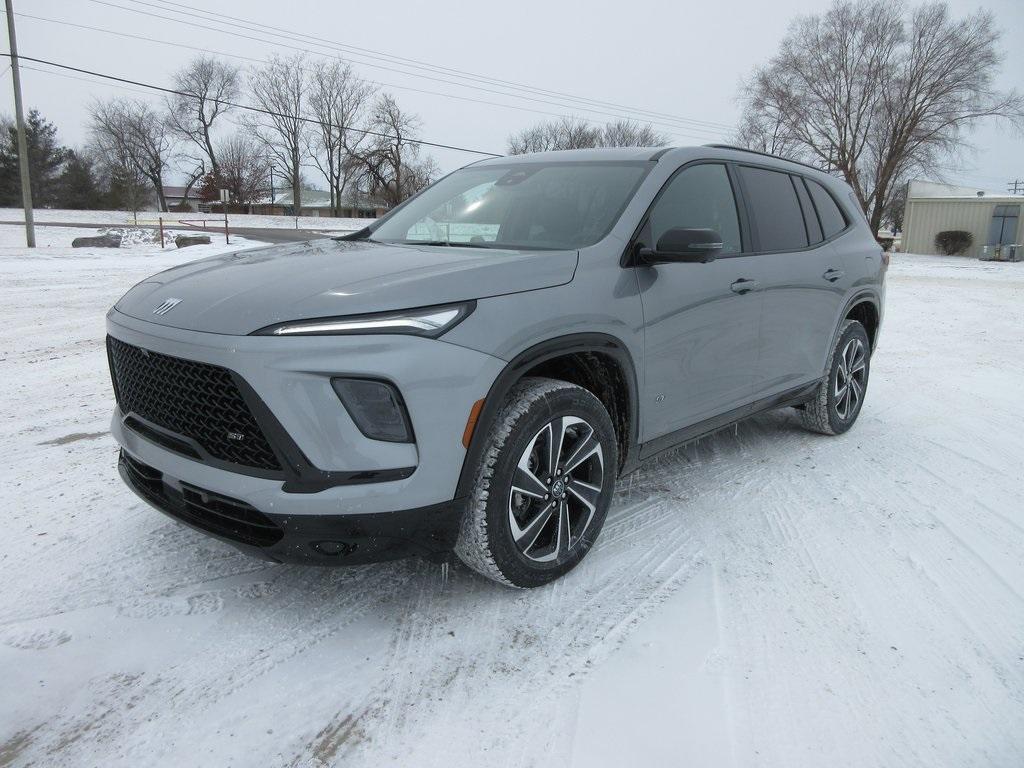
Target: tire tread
{"points": [[473, 547]]}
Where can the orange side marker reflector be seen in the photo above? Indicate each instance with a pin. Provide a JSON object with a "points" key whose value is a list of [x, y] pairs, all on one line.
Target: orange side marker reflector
{"points": [[474, 414]]}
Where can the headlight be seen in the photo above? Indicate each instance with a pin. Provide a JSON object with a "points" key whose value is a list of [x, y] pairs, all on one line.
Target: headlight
{"points": [[429, 321]]}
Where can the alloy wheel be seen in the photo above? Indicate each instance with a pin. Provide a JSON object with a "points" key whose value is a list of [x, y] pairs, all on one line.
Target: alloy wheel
{"points": [[558, 481], [851, 378]]}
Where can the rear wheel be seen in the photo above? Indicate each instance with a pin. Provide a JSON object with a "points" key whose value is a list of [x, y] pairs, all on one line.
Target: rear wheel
{"points": [[543, 487], [840, 396]]}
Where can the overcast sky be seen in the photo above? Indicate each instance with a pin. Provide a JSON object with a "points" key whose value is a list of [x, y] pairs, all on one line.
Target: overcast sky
{"points": [[684, 59]]}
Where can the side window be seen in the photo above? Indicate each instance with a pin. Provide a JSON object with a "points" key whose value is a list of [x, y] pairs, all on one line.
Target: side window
{"points": [[832, 218], [810, 217], [699, 197], [775, 209]]}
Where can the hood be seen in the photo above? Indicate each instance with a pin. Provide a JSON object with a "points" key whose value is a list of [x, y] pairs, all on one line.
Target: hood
{"points": [[239, 293]]}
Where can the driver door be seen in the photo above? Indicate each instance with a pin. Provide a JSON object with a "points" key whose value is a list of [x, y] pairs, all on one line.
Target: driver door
{"points": [[702, 321]]}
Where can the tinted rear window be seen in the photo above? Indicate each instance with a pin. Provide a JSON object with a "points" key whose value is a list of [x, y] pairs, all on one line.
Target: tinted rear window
{"points": [[775, 209], [832, 219]]}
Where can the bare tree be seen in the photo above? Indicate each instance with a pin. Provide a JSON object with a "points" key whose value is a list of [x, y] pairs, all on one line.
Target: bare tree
{"points": [[134, 139], [390, 166], [765, 124], [210, 82], [566, 133], [576, 133], [875, 94], [243, 169], [895, 209], [626, 133], [338, 101], [280, 88]]}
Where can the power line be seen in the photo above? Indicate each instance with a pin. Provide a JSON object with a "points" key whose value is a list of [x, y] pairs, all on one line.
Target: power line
{"points": [[252, 59], [175, 7], [414, 63], [304, 48], [249, 107], [82, 79]]}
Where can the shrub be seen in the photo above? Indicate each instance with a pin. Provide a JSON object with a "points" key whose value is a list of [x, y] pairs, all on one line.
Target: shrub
{"points": [[953, 242]]}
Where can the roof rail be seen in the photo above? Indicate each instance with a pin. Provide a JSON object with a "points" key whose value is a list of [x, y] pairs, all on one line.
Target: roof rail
{"points": [[763, 154]]}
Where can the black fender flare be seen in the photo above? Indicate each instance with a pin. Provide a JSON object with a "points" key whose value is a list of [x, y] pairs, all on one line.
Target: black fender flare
{"points": [[546, 350], [859, 297]]}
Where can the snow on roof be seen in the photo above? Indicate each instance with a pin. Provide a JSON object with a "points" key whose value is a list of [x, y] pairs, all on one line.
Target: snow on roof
{"points": [[918, 190]]}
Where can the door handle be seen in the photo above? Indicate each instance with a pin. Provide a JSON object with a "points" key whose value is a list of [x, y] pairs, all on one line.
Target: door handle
{"points": [[833, 274], [743, 285]]}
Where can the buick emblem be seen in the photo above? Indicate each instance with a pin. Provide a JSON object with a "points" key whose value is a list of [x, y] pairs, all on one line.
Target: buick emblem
{"points": [[167, 306]]}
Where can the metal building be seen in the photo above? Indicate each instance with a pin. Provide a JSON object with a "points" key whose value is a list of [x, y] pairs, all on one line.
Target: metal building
{"points": [[993, 219]]}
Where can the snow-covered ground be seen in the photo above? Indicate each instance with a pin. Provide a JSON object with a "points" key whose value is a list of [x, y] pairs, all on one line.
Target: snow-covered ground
{"points": [[766, 597], [318, 223], [56, 241]]}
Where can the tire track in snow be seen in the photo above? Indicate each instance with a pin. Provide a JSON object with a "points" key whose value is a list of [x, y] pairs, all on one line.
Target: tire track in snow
{"points": [[648, 549]]}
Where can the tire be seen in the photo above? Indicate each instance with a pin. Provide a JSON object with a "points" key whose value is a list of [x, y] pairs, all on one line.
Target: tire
{"points": [[838, 400], [528, 522]]}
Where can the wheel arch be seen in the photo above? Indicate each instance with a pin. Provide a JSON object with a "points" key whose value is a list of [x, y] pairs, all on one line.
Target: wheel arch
{"points": [[857, 306], [542, 359], [864, 308]]}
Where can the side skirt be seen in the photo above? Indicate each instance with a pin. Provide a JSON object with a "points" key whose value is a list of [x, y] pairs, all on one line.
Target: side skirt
{"points": [[795, 396]]}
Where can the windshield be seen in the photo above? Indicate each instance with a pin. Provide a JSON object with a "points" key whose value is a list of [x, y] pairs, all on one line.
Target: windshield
{"points": [[523, 206]]}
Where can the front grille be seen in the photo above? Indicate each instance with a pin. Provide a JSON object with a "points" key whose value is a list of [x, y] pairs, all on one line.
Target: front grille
{"points": [[195, 400], [206, 510]]}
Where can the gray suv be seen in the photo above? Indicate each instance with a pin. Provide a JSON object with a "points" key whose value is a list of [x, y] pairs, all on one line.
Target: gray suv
{"points": [[473, 371]]}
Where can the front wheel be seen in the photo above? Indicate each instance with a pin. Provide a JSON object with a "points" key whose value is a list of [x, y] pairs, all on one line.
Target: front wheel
{"points": [[839, 398], [543, 486]]}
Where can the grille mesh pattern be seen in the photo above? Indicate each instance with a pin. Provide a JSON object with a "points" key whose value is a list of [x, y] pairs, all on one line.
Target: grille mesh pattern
{"points": [[192, 399]]}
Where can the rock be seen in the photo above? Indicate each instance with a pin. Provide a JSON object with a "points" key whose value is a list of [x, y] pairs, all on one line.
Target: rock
{"points": [[184, 241], [101, 241]]}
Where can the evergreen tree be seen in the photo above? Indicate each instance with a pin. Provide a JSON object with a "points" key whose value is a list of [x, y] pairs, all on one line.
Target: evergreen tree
{"points": [[45, 158], [78, 187]]}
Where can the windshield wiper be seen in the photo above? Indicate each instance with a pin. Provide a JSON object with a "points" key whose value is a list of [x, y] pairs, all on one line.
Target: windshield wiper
{"points": [[360, 234], [446, 243]]}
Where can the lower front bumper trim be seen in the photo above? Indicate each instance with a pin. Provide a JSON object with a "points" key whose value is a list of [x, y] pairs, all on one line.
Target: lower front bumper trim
{"points": [[353, 539]]}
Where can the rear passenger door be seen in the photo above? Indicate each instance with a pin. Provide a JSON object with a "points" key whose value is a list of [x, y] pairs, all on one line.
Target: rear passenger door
{"points": [[802, 276]]}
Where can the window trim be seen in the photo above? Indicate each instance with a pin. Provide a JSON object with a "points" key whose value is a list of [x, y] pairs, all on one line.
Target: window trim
{"points": [[799, 182], [629, 254]]}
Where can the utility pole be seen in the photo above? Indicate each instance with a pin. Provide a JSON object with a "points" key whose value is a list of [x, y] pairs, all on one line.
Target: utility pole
{"points": [[19, 116], [1016, 186]]}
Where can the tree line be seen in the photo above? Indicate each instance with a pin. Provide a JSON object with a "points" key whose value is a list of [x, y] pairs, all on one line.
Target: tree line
{"points": [[323, 120]]}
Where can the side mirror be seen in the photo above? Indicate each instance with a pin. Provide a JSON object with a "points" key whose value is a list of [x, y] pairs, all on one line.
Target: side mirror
{"points": [[684, 245]]}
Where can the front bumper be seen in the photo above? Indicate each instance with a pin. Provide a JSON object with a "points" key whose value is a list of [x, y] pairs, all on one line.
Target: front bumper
{"points": [[376, 500], [429, 532]]}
